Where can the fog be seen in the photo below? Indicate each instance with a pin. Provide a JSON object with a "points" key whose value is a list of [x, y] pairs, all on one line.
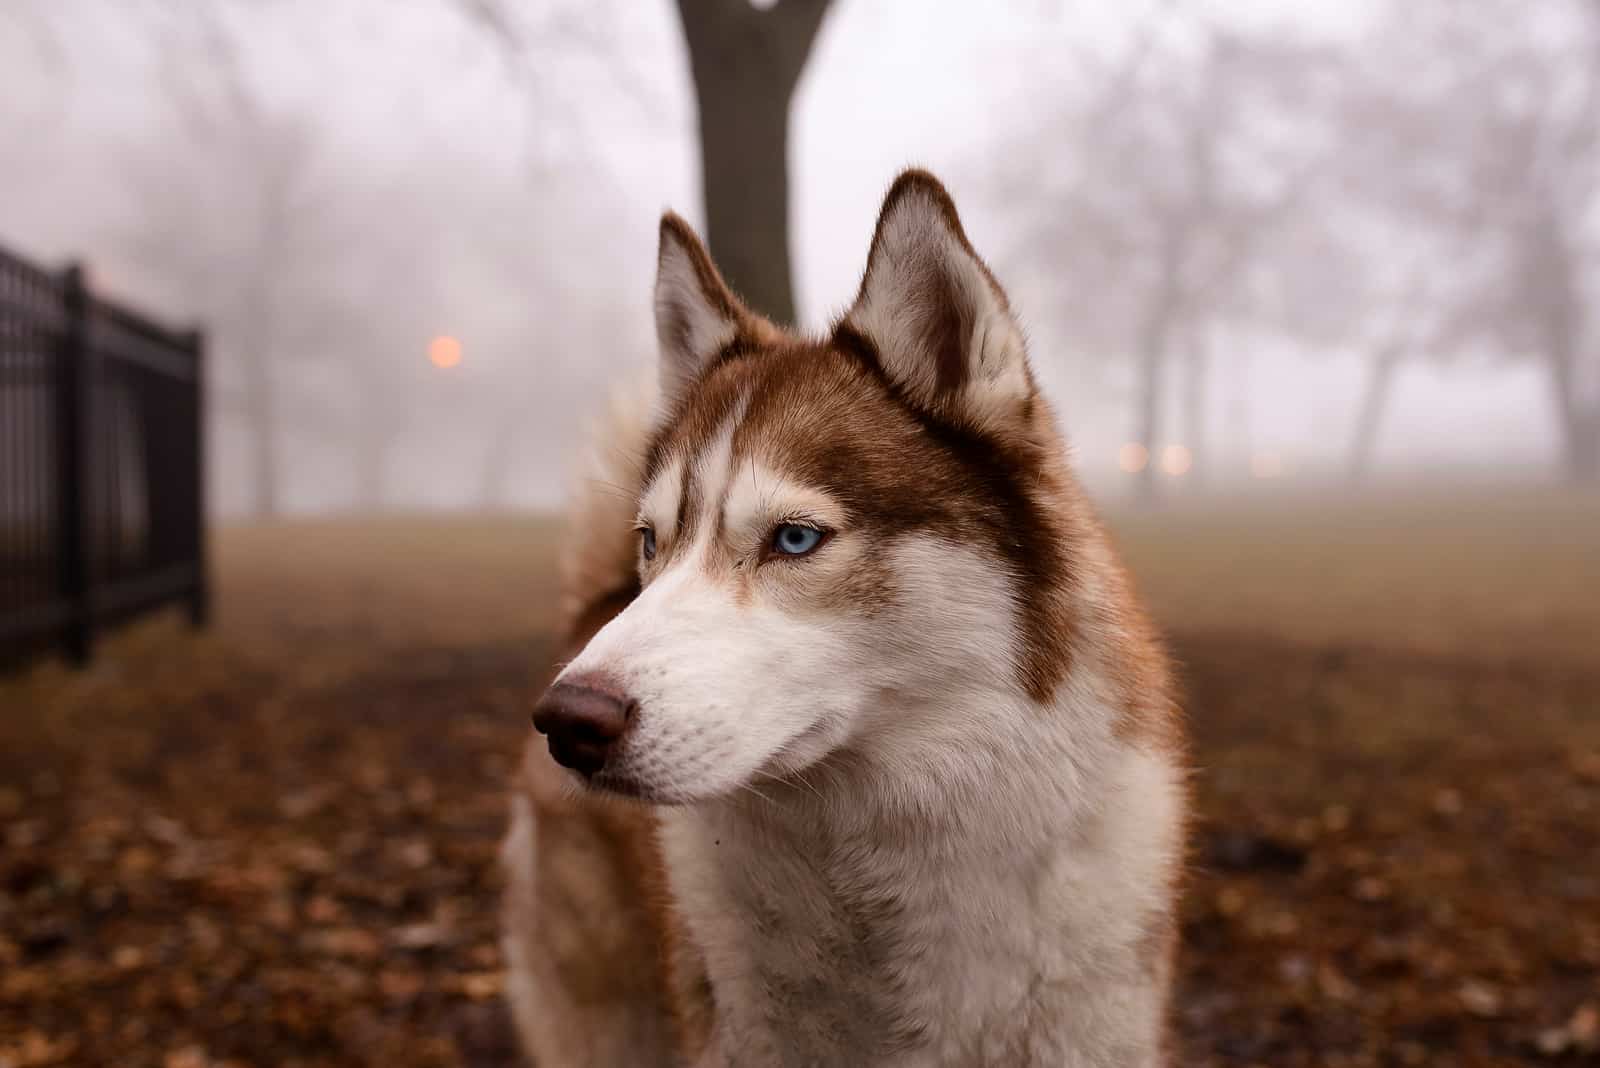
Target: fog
{"points": [[1358, 194]]}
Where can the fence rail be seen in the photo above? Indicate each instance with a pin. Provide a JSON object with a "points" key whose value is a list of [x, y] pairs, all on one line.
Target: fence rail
{"points": [[102, 509]]}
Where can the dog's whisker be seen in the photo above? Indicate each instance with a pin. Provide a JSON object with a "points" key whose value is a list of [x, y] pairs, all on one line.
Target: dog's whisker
{"points": [[751, 788]]}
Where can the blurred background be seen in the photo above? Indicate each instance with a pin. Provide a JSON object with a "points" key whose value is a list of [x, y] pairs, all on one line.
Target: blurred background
{"points": [[1347, 241], [304, 308]]}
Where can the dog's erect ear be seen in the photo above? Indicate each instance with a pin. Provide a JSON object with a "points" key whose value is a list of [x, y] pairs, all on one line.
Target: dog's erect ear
{"points": [[696, 313], [941, 325]]}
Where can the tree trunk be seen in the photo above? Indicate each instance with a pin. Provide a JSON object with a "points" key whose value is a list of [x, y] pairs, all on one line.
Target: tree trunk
{"points": [[1152, 364], [1554, 294], [1577, 418], [372, 484], [1374, 400], [745, 64], [1236, 423], [261, 417], [1155, 337], [260, 335], [1583, 450], [493, 488], [1194, 401]]}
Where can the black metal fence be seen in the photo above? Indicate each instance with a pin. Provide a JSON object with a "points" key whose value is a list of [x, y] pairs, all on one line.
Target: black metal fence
{"points": [[102, 510]]}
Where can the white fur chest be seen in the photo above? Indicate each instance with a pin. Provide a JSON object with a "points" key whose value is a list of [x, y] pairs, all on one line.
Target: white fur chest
{"points": [[834, 936]]}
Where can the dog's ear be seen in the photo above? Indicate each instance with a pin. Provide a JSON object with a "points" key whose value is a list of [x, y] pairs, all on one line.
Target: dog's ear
{"points": [[696, 313], [940, 324]]}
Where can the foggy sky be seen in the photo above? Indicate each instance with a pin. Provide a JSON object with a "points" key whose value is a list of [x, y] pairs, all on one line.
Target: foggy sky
{"points": [[536, 195]]}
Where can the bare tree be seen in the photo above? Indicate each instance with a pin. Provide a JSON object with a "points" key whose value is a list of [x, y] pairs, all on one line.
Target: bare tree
{"points": [[1482, 121], [746, 62], [1170, 221], [296, 267], [541, 48], [240, 199]]}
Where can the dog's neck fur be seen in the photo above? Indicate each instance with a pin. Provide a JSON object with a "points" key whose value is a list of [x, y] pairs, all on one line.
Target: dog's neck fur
{"points": [[850, 916]]}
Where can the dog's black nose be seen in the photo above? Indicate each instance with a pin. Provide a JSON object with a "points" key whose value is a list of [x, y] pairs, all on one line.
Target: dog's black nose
{"points": [[583, 723]]}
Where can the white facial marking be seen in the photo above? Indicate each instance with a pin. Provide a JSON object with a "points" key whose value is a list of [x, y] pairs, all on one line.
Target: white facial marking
{"points": [[659, 505], [722, 686], [713, 465], [758, 497], [740, 675]]}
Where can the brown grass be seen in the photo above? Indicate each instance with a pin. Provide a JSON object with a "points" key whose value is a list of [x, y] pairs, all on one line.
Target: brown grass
{"points": [[1508, 572], [272, 842]]}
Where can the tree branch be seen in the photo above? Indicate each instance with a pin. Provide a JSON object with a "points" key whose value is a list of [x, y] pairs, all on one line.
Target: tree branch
{"points": [[796, 23]]}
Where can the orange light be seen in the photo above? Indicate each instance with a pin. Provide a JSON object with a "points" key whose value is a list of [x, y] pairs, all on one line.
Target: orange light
{"points": [[1266, 465], [1133, 457], [444, 352], [1176, 460]]}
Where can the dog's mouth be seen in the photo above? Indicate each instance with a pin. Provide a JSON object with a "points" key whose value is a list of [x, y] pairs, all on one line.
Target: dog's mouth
{"points": [[621, 783], [618, 778]]}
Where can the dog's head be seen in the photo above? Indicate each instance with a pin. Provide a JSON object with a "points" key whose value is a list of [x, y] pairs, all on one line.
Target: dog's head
{"points": [[838, 539]]}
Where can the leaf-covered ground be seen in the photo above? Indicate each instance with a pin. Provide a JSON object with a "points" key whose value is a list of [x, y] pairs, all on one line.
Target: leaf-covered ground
{"points": [[273, 843]]}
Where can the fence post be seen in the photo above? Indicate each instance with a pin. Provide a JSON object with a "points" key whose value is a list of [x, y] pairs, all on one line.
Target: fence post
{"points": [[200, 596], [74, 403]]}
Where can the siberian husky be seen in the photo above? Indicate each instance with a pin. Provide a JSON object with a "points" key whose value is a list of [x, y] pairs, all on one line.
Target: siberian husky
{"points": [[865, 753]]}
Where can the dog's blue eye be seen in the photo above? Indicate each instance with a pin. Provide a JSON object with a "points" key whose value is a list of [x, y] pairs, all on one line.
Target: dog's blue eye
{"points": [[792, 539], [647, 542]]}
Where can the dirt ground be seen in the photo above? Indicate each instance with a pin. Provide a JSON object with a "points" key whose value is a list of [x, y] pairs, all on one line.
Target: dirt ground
{"points": [[273, 843]]}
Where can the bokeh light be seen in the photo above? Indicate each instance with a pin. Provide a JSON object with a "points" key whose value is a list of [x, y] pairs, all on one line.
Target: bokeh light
{"points": [[444, 352], [1176, 460]]}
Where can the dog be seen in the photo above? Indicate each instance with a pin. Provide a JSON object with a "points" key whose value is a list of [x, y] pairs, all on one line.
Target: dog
{"points": [[863, 752]]}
